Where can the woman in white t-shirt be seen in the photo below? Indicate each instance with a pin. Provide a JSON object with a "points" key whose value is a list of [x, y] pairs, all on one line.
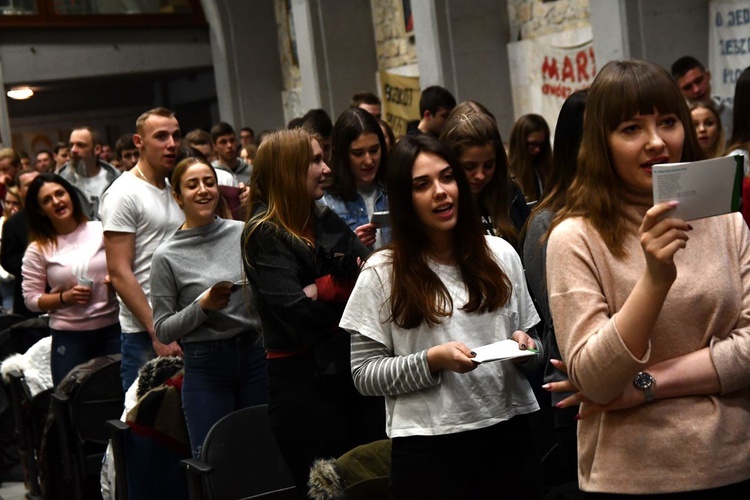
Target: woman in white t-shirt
{"points": [[459, 429]]}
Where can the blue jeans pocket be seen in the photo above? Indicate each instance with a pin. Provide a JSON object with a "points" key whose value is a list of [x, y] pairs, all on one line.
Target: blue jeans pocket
{"points": [[197, 350]]}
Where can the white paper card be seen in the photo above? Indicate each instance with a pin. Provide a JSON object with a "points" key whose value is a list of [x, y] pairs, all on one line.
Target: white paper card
{"points": [[703, 188], [497, 351]]}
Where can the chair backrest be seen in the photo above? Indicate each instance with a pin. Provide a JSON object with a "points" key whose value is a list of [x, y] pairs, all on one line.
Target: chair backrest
{"points": [[97, 399], [244, 456], [84, 400]]}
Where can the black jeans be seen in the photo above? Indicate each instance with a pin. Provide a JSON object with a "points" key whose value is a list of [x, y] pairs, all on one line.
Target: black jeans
{"points": [[318, 416], [494, 462]]}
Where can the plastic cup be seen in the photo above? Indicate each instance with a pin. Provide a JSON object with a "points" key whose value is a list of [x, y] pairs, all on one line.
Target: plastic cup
{"points": [[87, 282]]}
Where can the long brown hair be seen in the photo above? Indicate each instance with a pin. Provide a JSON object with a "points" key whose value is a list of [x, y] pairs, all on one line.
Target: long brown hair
{"points": [[523, 167], [418, 293], [621, 90], [467, 127], [279, 181], [41, 230]]}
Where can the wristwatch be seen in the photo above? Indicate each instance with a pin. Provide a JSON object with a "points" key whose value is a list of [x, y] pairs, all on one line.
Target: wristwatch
{"points": [[646, 383]]}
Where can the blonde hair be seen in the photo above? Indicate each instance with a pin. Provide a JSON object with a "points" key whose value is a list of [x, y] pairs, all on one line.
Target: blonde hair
{"points": [[718, 146], [141, 121], [279, 180]]}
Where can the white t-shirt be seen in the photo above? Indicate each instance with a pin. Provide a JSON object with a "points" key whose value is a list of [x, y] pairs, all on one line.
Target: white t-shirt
{"points": [[224, 176], [94, 186], [132, 205], [492, 393]]}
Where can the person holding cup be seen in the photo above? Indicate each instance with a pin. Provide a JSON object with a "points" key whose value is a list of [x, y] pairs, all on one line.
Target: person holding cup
{"points": [[65, 273]]}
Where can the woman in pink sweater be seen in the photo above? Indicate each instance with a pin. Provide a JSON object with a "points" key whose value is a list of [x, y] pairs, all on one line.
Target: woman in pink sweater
{"points": [[652, 313], [65, 273]]}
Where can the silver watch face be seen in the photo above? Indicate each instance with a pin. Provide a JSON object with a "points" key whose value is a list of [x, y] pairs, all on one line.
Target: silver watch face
{"points": [[643, 381]]}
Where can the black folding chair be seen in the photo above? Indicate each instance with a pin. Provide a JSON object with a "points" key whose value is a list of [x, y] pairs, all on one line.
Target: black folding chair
{"points": [[240, 459], [81, 417]]}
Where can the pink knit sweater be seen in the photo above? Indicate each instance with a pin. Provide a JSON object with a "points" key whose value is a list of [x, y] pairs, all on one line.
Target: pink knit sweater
{"points": [[677, 444]]}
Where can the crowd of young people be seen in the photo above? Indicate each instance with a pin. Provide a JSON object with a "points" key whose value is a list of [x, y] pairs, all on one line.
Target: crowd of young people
{"points": [[354, 327]]}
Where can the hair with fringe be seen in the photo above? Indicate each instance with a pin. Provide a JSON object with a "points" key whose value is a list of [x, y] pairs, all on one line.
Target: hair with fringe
{"points": [[351, 124], [718, 147], [418, 294], [621, 90], [469, 125]]}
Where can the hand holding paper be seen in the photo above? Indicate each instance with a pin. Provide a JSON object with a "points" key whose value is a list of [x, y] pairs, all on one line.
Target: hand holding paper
{"points": [[703, 188], [500, 351]]}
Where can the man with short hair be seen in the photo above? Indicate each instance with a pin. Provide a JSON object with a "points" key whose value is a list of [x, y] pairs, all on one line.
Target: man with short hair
{"points": [[317, 122], [200, 140], [25, 159], [61, 154], [247, 137], [15, 238], [138, 213], [105, 153], [369, 102], [695, 83], [435, 104], [87, 173], [45, 162], [127, 153], [225, 147]]}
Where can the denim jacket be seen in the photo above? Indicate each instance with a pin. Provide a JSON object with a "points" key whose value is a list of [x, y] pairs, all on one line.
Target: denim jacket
{"points": [[354, 212]]}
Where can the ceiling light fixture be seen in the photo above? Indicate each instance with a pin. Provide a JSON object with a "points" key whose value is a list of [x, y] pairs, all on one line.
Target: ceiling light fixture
{"points": [[20, 93]]}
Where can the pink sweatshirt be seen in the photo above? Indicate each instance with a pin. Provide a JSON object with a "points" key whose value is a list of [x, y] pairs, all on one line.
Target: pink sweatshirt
{"points": [[80, 253], [678, 444]]}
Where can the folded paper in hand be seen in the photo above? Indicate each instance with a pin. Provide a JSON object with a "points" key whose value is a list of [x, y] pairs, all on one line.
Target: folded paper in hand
{"points": [[235, 286], [498, 351], [704, 188]]}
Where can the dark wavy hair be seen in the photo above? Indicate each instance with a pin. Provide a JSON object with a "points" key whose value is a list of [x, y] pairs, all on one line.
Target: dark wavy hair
{"points": [[41, 229], [352, 123], [418, 293]]}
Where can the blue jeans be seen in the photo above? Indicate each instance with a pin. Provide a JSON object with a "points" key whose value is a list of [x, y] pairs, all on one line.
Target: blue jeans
{"points": [[71, 348], [221, 376], [136, 351]]}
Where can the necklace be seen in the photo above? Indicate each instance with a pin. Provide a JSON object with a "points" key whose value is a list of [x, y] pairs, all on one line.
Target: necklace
{"points": [[139, 173]]}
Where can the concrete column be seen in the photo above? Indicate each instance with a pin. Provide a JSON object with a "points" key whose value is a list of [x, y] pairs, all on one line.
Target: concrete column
{"points": [[246, 61], [429, 41], [5, 138], [462, 46], [336, 48], [609, 27], [304, 33], [635, 29]]}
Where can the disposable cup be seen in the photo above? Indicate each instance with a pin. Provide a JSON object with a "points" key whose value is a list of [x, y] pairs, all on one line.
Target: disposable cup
{"points": [[87, 282]]}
